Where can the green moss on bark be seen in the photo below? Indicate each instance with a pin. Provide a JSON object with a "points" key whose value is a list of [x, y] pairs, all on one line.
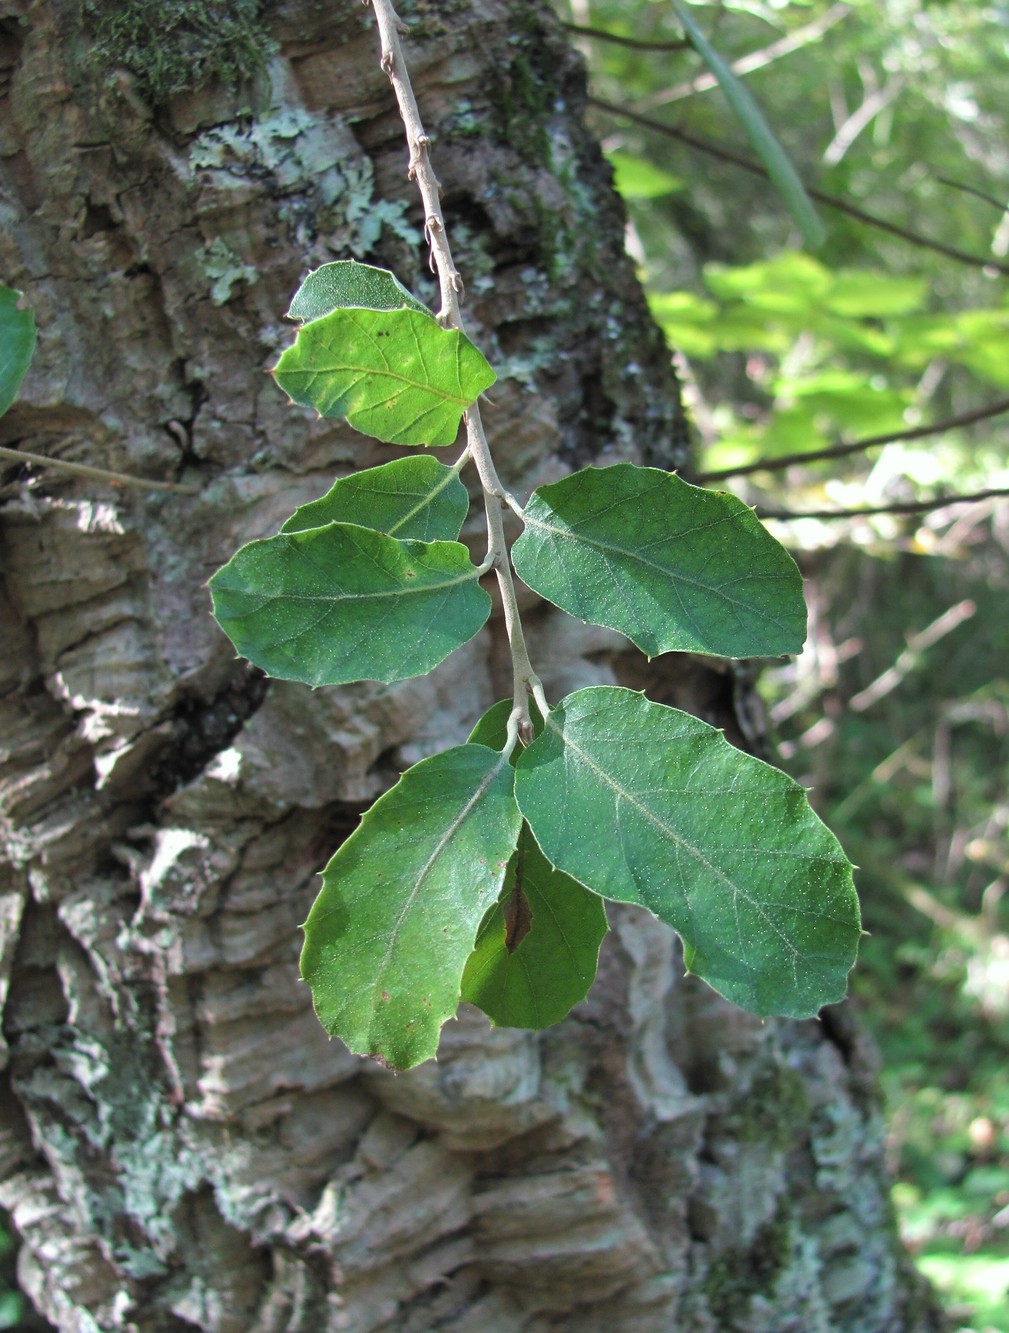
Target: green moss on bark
{"points": [[736, 1278], [172, 46]]}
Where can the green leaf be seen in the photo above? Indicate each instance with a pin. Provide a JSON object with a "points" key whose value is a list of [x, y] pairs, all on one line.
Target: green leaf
{"points": [[538, 946], [642, 803], [774, 157], [857, 293], [673, 567], [388, 937], [416, 498], [396, 375], [788, 283], [343, 603], [637, 178], [348, 284], [17, 345]]}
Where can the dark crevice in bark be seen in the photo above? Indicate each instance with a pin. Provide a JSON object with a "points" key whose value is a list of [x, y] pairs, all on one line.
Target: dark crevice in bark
{"points": [[206, 727]]}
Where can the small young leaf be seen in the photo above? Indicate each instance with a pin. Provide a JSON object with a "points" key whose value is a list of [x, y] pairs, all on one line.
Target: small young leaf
{"points": [[402, 900], [17, 345], [346, 284], [672, 566], [416, 498], [343, 603], [492, 729], [396, 375], [538, 946], [642, 803]]}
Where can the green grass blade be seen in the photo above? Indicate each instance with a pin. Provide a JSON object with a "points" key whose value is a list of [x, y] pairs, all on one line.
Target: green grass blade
{"points": [[775, 159]]}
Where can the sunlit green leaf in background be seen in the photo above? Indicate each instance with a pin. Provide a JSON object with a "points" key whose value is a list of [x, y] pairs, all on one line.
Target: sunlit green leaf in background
{"points": [[790, 281], [857, 292], [637, 178], [347, 284], [538, 946], [343, 603], [673, 567], [645, 804], [417, 498], [396, 375], [388, 937], [17, 345]]}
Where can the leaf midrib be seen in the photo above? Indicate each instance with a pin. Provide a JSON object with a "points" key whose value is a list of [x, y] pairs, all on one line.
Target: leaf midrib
{"points": [[432, 860], [569, 534]]}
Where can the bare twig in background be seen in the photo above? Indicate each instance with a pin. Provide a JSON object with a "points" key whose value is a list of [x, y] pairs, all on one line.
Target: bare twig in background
{"points": [[910, 657], [735, 159], [899, 507], [972, 189], [97, 473], [874, 103], [635, 43], [858, 446], [793, 41]]}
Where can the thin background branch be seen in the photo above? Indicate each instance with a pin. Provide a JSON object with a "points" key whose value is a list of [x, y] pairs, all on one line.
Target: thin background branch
{"points": [[899, 507], [735, 159], [858, 446]]}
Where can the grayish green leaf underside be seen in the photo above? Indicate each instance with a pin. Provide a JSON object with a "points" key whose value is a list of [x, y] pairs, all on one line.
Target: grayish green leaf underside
{"points": [[347, 284], [642, 803], [17, 345], [387, 939], [343, 603], [673, 567], [416, 498], [536, 983], [396, 375]]}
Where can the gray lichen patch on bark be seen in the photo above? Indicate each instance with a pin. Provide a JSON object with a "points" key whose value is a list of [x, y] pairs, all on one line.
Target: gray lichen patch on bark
{"points": [[178, 1139]]}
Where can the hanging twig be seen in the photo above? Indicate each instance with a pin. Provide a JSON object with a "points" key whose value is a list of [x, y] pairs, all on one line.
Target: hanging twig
{"points": [[828, 200], [857, 446]]}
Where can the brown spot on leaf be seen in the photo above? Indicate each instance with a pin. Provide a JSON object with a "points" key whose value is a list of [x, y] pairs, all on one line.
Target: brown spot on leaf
{"points": [[518, 919]]}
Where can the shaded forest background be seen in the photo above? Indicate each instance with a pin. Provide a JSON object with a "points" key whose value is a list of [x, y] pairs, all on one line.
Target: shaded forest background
{"points": [[897, 714]]}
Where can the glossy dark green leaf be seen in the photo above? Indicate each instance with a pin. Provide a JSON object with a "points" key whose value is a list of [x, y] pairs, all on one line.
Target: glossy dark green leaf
{"points": [[389, 935], [17, 345], [396, 375], [642, 803], [343, 603], [417, 498], [672, 566], [347, 284], [538, 947]]}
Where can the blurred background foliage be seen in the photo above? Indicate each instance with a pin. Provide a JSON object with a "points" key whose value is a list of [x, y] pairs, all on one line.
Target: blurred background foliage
{"points": [[897, 714]]}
